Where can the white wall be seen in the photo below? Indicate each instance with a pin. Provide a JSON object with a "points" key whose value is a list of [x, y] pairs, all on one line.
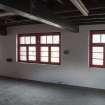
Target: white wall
{"points": [[74, 69]]}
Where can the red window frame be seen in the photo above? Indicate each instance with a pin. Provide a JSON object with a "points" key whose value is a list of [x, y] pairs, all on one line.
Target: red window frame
{"points": [[91, 45], [38, 46]]}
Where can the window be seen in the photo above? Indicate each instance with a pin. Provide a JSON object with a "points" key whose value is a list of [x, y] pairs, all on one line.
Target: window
{"points": [[39, 48], [97, 49]]}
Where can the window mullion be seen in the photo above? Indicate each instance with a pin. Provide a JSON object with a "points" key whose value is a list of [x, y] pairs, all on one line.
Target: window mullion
{"points": [[27, 53], [19, 53], [38, 48], [49, 54]]}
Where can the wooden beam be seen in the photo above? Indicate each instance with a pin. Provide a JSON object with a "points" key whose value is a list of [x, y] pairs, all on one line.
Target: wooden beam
{"points": [[91, 23], [80, 6], [58, 12], [80, 16], [86, 19]]}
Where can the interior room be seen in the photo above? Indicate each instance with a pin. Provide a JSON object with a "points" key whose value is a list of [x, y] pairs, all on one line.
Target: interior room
{"points": [[52, 52]]}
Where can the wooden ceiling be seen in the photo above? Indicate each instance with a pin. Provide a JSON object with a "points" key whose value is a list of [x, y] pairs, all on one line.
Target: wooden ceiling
{"points": [[65, 11]]}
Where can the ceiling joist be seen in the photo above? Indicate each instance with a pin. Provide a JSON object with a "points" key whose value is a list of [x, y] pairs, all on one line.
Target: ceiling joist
{"points": [[70, 11]]}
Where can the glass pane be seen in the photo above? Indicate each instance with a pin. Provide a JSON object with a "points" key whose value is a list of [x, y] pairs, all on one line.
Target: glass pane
{"points": [[44, 59], [103, 38], [27, 40], [44, 49], [56, 60], [56, 39], [44, 54], [97, 55], [33, 40], [22, 40], [22, 49], [23, 53], [97, 49], [32, 49], [23, 58], [96, 38], [97, 62], [43, 40], [54, 54], [32, 53], [54, 48], [32, 58], [49, 39]]}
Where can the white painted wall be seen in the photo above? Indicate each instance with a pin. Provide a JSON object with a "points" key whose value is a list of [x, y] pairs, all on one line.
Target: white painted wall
{"points": [[74, 69]]}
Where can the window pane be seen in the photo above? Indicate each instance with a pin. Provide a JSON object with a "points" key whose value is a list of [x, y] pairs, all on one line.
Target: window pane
{"points": [[32, 49], [98, 55], [33, 40], [22, 49], [43, 40], [23, 58], [54, 54], [56, 60], [32, 53], [27, 40], [23, 53], [54, 48], [103, 38], [49, 39], [97, 49], [97, 62], [96, 38], [32, 58], [44, 48], [44, 59], [22, 40], [56, 39], [44, 54]]}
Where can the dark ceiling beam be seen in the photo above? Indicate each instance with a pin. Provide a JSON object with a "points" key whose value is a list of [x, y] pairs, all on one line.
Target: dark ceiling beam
{"points": [[92, 23], [58, 12], [79, 22], [35, 10], [19, 23], [86, 19], [16, 22], [80, 16]]}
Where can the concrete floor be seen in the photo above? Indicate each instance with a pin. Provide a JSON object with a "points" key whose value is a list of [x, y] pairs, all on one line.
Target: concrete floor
{"points": [[14, 92]]}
